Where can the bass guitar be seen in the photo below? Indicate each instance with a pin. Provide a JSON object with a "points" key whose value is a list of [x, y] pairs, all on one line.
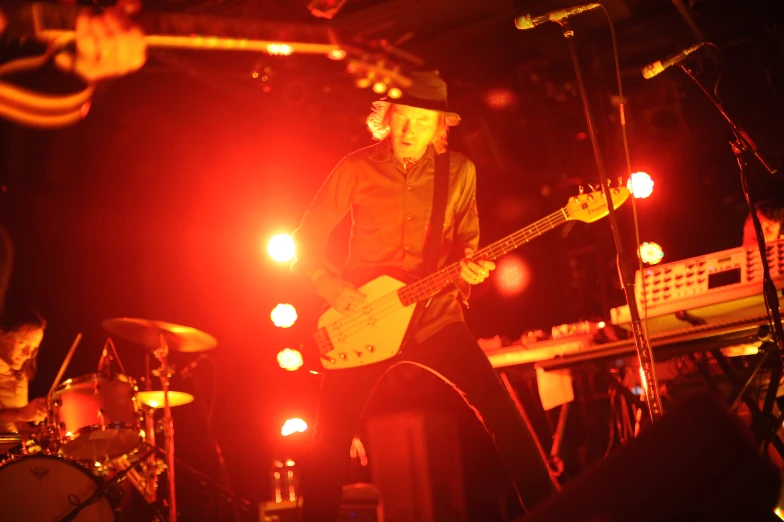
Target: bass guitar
{"points": [[375, 331]]}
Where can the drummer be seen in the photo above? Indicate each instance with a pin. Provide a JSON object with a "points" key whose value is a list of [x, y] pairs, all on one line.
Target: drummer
{"points": [[21, 333]]}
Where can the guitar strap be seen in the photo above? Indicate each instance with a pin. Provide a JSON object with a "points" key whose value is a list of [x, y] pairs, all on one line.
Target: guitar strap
{"points": [[433, 241], [440, 192]]}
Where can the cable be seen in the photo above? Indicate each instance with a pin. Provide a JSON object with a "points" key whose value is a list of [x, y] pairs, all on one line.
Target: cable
{"points": [[627, 156]]}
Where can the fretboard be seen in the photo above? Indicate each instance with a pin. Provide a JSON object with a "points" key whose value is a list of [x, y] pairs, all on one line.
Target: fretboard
{"points": [[431, 285], [179, 30]]}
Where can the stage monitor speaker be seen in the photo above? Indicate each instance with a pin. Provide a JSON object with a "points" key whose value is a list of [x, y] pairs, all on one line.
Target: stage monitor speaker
{"points": [[699, 463], [416, 461]]}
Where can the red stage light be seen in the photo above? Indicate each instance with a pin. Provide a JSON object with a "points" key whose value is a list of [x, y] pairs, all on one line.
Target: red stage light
{"points": [[640, 184], [289, 359], [281, 248], [511, 275], [283, 315], [294, 425], [651, 253]]}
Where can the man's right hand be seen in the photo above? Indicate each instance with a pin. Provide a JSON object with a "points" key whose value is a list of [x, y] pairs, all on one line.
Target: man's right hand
{"points": [[339, 293], [34, 411]]}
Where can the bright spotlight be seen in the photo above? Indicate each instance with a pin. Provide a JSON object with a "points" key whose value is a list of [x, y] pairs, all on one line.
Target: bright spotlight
{"points": [[293, 426], [651, 253], [289, 359], [283, 315], [281, 248], [640, 184]]}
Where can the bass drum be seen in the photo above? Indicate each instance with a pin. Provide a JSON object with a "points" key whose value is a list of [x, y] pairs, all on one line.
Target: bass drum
{"points": [[43, 488]]}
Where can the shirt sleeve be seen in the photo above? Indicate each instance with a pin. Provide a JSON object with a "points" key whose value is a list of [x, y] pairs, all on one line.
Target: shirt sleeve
{"points": [[327, 209], [466, 222]]}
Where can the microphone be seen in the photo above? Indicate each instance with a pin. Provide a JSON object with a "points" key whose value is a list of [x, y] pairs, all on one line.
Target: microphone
{"points": [[530, 21], [655, 68]]}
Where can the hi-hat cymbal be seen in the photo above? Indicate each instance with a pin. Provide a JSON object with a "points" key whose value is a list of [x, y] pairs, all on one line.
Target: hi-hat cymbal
{"points": [[154, 399], [148, 334]]}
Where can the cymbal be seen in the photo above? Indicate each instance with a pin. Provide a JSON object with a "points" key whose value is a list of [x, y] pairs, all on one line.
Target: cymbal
{"points": [[148, 334], [154, 399]]}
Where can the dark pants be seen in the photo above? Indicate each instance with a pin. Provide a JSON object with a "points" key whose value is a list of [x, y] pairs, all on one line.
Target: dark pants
{"points": [[453, 355]]}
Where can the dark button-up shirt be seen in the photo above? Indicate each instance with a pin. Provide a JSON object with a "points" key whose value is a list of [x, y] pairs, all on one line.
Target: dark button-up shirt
{"points": [[390, 210]]}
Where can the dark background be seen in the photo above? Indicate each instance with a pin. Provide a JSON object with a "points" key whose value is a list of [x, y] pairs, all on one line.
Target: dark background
{"points": [[159, 205]]}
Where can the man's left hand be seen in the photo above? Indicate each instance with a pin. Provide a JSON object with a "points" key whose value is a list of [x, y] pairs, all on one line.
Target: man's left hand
{"points": [[474, 272], [107, 45]]}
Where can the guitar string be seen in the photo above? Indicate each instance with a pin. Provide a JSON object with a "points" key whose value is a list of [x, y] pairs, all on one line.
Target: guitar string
{"points": [[352, 323], [357, 321]]}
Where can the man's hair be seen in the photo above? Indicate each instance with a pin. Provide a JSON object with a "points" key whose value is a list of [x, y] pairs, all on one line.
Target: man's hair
{"points": [[378, 124], [772, 210], [14, 319]]}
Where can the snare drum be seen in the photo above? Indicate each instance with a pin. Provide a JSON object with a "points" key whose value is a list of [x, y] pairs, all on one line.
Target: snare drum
{"points": [[96, 418], [42, 488]]}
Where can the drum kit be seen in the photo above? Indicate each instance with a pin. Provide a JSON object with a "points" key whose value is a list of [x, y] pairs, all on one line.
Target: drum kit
{"points": [[100, 434]]}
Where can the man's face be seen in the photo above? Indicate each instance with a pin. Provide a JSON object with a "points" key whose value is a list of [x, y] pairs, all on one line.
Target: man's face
{"points": [[411, 130], [19, 345], [770, 230]]}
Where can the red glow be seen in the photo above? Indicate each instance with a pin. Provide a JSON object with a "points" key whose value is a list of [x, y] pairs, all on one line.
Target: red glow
{"points": [[512, 275], [640, 184], [499, 98], [293, 426], [289, 359]]}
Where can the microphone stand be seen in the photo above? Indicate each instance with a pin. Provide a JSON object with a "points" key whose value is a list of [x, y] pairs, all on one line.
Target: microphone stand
{"points": [[644, 353], [740, 147]]}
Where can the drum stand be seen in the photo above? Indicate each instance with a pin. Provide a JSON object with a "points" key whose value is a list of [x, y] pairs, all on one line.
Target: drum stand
{"points": [[164, 373], [101, 491]]}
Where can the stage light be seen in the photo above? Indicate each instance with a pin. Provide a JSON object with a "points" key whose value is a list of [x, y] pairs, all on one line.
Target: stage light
{"points": [[283, 315], [640, 184], [281, 248], [379, 87], [651, 253], [395, 93], [290, 360], [363, 83], [511, 275], [294, 426]]}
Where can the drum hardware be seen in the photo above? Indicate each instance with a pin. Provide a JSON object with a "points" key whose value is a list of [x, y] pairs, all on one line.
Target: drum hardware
{"points": [[162, 338], [103, 488], [154, 399], [95, 417]]}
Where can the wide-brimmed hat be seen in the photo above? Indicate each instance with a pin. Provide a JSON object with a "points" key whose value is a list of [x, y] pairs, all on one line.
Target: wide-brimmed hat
{"points": [[427, 91]]}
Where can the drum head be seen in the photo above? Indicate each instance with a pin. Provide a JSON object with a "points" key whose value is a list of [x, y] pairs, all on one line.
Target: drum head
{"points": [[42, 488]]}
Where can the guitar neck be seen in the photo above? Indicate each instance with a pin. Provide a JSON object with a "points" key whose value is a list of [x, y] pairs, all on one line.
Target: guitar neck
{"points": [[56, 22], [434, 283]]}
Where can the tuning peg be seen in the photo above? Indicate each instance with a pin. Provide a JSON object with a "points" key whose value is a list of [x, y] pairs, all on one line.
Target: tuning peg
{"points": [[591, 187], [581, 189], [620, 181]]}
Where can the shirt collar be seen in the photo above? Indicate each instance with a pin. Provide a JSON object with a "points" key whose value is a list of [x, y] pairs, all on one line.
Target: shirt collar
{"points": [[383, 152]]}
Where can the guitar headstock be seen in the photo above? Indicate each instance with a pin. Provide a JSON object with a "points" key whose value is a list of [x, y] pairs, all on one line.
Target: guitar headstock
{"points": [[380, 66], [592, 206]]}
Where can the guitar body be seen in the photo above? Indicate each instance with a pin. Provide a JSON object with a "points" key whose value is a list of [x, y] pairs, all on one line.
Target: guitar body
{"points": [[371, 334]]}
